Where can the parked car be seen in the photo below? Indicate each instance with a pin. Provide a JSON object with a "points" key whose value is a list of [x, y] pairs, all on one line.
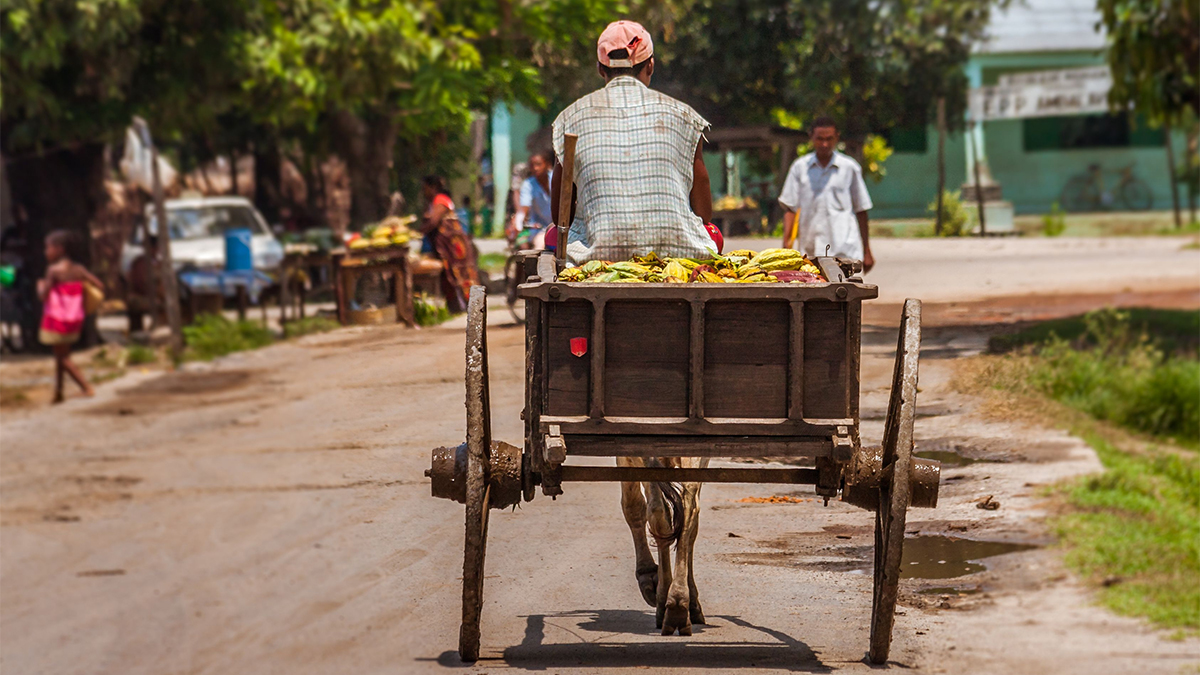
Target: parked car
{"points": [[197, 228]]}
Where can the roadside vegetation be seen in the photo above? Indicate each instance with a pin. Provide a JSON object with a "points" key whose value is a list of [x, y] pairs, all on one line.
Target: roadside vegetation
{"points": [[429, 312], [213, 335], [1128, 383], [308, 325]]}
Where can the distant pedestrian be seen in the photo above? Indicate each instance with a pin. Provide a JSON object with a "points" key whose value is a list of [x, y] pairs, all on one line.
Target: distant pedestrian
{"points": [[62, 294], [533, 204], [827, 201]]}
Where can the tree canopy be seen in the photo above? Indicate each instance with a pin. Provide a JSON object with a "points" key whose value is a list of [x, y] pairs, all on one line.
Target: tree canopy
{"points": [[1154, 55], [874, 64]]}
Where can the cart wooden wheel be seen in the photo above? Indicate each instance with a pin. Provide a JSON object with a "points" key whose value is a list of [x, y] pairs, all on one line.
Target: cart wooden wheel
{"points": [[894, 488], [479, 443]]}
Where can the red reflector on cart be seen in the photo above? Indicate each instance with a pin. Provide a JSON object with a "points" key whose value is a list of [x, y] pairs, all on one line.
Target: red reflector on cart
{"points": [[578, 346]]}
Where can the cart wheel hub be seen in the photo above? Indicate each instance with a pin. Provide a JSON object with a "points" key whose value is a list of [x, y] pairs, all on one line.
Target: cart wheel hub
{"points": [[448, 474], [865, 472]]}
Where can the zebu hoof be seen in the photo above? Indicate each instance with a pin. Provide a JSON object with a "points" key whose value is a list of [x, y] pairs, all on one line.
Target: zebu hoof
{"points": [[647, 579], [676, 619], [695, 613]]}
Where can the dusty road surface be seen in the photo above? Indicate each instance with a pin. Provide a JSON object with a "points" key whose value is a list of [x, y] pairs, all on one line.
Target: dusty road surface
{"points": [[268, 514]]}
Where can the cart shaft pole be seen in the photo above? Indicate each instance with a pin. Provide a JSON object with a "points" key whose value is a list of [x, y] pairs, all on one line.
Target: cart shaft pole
{"points": [[719, 475], [566, 189]]}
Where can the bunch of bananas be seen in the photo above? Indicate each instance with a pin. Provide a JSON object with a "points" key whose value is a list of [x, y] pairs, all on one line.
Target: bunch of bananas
{"points": [[392, 231], [737, 267]]}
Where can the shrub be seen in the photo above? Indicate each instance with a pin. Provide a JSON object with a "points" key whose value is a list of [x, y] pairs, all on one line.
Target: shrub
{"points": [[1055, 222], [213, 335], [954, 214], [429, 312], [137, 355], [1124, 378]]}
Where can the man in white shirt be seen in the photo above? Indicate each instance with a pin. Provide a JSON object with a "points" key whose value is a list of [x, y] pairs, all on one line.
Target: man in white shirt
{"points": [[827, 201]]}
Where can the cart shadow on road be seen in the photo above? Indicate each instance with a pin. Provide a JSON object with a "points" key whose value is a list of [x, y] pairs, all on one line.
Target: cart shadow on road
{"points": [[776, 650]]}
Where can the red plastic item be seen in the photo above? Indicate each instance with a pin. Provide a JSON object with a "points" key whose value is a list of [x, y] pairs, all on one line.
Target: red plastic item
{"points": [[579, 346]]}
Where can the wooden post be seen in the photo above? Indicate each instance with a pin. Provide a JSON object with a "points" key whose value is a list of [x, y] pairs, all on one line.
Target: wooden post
{"points": [[565, 191], [978, 186], [169, 285], [233, 179], [941, 160], [1171, 173], [152, 269]]}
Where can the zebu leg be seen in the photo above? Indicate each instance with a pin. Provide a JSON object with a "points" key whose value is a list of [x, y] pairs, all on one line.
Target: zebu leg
{"points": [[662, 530], [683, 602], [633, 505], [694, 610]]}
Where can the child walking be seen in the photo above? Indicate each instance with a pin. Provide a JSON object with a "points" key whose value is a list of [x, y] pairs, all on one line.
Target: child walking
{"points": [[62, 295]]}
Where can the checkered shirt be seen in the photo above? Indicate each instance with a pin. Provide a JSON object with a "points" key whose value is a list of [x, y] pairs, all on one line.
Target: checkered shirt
{"points": [[633, 172]]}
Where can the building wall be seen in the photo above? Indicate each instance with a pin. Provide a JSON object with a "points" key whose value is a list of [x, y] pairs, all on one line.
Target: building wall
{"points": [[1032, 180]]}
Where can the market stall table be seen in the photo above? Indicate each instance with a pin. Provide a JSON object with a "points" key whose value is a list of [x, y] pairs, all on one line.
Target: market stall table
{"points": [[349, 266]]}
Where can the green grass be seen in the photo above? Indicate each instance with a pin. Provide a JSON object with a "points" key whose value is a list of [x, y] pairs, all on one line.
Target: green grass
{"points": [[308, 326], [1174, 330], [213, 335], [492, 262], [1133, 530]]}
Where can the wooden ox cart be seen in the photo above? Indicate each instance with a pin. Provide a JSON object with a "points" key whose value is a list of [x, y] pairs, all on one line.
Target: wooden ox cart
{"points": [[691, 370]]}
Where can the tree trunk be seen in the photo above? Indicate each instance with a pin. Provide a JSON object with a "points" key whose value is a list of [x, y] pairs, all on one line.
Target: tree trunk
{"points": [[941, 161], [57, 190], [233, 179], [1173, 176], [366, 144], [268, 178]]}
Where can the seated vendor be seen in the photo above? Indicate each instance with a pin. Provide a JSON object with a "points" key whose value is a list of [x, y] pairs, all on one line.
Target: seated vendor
{"points": [[641, 184], [444, 238]]}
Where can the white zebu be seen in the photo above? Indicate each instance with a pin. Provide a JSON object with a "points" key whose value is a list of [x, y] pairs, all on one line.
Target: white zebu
{"points": [[672, 513]]}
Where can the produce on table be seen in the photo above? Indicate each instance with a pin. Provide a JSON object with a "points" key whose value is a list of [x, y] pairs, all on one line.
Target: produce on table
{"points": [[773, 265], [391, 231]]}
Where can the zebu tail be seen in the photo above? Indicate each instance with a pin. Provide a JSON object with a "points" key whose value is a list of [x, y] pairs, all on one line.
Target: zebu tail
{"points": [[672, 497]]}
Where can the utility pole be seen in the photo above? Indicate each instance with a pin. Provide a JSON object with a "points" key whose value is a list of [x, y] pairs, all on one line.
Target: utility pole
{"points": [[941, 160], [167, 271]]}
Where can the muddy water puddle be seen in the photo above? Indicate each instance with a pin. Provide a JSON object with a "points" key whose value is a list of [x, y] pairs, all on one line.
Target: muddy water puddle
{"points": [[942, 557], [951, 458]]}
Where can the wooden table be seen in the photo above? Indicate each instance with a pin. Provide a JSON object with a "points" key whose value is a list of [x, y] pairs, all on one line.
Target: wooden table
{"points": [[348, 266]]}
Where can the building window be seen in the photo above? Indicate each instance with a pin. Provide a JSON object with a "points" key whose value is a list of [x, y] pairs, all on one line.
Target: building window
{"points": [[912, 139], [1089, 131]]}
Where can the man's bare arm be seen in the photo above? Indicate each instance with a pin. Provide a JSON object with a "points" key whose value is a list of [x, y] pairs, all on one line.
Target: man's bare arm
{"points": [[790, 218], [863, 229], [701, 196]]}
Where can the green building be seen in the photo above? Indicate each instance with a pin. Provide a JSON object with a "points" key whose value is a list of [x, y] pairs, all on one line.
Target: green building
{"points": [[1031, 159]]}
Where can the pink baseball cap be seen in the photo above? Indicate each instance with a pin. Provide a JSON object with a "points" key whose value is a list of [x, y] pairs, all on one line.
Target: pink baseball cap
{"points": [[627, 35]]}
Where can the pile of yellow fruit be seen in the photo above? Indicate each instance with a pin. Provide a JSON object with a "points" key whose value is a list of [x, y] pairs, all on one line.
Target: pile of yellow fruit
{"points": [[773, 265], [392, 231], [731, 203]]}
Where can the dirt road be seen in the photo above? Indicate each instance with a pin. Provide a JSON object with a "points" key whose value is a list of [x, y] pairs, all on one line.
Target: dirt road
{"points": [[268, 514]]}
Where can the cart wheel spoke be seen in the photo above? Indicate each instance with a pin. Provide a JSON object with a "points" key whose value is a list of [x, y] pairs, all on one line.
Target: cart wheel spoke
{"points": [[477, 493], [894, 492]]}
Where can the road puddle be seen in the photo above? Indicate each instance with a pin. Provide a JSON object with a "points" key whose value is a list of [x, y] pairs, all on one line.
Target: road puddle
{"points": [[942, 557], [950, 458]]}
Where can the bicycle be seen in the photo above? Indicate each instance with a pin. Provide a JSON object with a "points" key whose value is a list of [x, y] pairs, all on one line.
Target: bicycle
{"points": [[1088, 192], [514, 274]]}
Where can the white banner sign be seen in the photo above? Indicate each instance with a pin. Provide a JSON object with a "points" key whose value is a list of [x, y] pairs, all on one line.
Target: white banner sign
{"points": [[1047, 93]]}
